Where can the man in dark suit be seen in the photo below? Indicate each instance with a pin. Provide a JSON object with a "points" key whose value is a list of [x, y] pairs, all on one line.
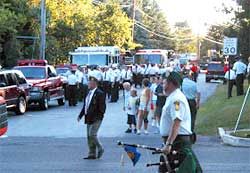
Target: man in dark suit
{"points": [[93, 109]]}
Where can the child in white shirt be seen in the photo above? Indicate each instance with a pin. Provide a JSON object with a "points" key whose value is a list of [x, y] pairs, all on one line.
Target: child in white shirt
{"points": [[132, 110]]}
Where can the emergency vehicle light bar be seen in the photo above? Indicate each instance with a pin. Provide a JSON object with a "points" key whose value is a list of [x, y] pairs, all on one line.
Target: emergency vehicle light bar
{"points": [[32, 62]]}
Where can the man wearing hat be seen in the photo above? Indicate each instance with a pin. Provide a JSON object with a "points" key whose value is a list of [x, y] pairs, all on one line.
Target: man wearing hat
{"points": [[93, 109], [175, 125]]}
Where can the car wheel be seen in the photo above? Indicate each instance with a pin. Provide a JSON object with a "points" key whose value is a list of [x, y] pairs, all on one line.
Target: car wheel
{"points": [[21, 106], [207, 80], [44, 103], [61, 101]]}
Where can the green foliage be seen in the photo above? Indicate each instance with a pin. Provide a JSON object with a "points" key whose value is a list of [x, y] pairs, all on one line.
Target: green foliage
{"points": [[15, 20], [182, 44]]}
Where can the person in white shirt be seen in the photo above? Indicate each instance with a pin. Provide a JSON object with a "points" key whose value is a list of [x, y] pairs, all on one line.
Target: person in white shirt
{"points": [[240, 70], [114, 84], [106, 82], [154, 84], [248, 71], [231, 80], [79, 76], [175, 124], [132, 111], [72, 88], [126, 75], [137, 76]]}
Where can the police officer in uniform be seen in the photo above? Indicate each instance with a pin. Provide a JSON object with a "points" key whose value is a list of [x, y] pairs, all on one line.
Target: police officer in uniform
{"points": [[80, 92], [191, 90], [240, 69], [106, 83], [72, 88], [114, 85], [175, 125]]}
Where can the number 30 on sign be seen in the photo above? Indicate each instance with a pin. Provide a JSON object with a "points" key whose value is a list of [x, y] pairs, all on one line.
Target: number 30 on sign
{"points": [[230, 46]]}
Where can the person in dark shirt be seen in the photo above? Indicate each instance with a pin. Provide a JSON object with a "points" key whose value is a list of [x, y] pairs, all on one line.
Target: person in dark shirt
{"points": [[161, 98]]}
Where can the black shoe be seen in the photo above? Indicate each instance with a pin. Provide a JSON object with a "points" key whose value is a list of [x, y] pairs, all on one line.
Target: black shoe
{"points": [[128, 131], [89, 158], [135, 131], [100, 153]]}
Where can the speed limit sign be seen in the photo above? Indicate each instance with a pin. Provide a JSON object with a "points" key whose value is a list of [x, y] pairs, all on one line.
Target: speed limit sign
{"points": [[230, 46]]}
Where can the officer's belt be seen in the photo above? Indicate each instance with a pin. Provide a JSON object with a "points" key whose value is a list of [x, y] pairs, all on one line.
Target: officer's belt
{"points": [[180, 137]]}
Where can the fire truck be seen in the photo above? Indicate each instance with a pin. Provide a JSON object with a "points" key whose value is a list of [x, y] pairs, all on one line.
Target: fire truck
{"points": [[152, 56], [46, 85], [99, 55]]}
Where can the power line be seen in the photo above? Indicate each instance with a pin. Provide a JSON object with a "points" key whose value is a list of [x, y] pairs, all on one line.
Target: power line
{"points": [[146, 14], [212, 41], [160, 35]]}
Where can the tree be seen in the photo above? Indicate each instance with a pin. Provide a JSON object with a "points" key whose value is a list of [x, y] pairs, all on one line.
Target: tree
{"points": [[14, 19], [151, 27], [185, 40], [240, 26]]}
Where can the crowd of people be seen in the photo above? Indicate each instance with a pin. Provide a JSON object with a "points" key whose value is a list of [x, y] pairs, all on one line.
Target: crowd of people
{"points": [[138, 106], [235, 75], [172, 96], [174, 112]]}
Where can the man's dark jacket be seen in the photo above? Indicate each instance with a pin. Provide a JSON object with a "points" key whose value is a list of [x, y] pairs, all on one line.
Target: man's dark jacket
{"points": [[97, 108]]}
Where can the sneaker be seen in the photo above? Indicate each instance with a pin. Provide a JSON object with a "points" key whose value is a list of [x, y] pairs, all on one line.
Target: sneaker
{"points": [[128, 131], [135, 131], [146, 132], [153, 123], [138, 132]]}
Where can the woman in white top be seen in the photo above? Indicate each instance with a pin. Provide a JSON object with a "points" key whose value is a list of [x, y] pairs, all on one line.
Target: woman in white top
{"points": [[144, 106]]}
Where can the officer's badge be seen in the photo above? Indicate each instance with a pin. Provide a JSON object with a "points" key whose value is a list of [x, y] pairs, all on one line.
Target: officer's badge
{"points": [[177, 105]]}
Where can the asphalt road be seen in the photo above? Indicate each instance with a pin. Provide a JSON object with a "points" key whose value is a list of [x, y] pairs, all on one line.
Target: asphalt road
{"points": [[52, 141]]}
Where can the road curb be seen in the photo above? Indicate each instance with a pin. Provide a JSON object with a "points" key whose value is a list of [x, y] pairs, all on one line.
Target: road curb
{"points": [[232, 140]]}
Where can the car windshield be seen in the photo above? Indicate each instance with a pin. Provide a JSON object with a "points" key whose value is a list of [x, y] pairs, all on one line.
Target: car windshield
{"points": [[61, 70], [148, 58], [215, 67], [33, 73]]}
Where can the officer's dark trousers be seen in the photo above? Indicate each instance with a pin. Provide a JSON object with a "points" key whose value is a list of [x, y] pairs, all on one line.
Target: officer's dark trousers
{"points": [[80, 92], [184, 141], [106, 88], [193, 110], [93, 142], [195, 76], [231, 83], [114, 88], [72, 92], [239, 84]]}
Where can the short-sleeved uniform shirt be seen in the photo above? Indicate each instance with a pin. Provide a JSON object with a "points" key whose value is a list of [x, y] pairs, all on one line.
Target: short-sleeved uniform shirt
{"points": [[190, 88], [176, 107]]}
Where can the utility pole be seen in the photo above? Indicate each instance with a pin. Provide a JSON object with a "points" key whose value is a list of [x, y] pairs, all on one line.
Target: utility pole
{"points": [[43, 30], [133, 19], [198, 47]]}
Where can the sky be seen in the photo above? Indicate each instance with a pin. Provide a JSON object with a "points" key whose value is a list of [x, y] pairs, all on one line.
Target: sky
{"points": [[199, 14]]}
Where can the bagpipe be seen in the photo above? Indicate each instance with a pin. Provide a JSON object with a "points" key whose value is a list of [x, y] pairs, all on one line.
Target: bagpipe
{"points": [[168, 163]]}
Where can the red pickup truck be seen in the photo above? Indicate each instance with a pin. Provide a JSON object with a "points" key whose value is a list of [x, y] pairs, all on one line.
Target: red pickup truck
{"points": [[46, 85], [3, 117]]}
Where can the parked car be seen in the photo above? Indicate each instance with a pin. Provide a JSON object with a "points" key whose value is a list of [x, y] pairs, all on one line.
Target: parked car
{"points": [[215, 70], [46, 84], [14, 88], [3, 117]]}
